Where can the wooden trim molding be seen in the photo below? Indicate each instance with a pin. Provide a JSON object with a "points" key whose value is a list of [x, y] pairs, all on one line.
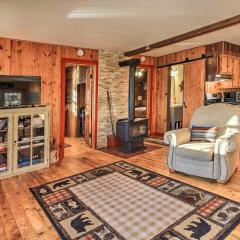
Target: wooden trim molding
{"points": [[94, 63], [182, 37]]}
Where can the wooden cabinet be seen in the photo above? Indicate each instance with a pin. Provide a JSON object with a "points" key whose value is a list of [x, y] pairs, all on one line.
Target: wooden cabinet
{"points": [[226, 64], [24, 140], [236, 72]]}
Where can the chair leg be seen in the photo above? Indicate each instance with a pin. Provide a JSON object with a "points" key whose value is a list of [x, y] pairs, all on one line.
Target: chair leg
{"points": [[172, 170]]}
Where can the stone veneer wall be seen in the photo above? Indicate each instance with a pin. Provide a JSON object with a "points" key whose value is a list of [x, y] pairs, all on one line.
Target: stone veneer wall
{"points": [[111, 77]]}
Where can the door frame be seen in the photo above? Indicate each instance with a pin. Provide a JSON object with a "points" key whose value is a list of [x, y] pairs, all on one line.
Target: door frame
{"points": [[150, 69], [64, 62]]}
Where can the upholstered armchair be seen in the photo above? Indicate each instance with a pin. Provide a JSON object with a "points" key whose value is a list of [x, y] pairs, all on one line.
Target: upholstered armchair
{"points": [[214, 160]]}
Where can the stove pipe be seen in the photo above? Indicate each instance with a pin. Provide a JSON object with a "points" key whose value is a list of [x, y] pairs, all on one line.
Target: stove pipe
{"points": [[132, 63]]}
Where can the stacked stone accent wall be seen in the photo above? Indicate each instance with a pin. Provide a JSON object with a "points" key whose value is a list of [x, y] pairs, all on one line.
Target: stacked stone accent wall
{"points": [[111, 77]]}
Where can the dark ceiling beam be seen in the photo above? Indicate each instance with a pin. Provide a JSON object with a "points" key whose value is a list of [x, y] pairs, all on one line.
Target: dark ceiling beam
{"points": [[182, 37]]}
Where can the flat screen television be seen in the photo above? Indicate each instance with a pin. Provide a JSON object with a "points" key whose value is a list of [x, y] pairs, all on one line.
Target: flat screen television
{"points": [[19, 90]]}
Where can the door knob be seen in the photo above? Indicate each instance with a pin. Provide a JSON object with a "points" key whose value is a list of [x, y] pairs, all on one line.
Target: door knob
{"points": [[184, 104]]}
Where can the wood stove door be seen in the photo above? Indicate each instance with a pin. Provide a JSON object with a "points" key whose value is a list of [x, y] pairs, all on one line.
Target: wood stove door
{"points": [[88, 102]]}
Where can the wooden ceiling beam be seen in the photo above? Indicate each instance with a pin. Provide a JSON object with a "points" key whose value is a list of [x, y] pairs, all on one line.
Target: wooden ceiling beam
{"points": [[182, 37]]}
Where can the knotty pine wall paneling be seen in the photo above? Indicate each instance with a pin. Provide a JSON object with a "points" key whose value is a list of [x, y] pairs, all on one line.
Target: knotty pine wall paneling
{"points": [[20, 57], [5, 56], [56, 92], [193, 93], [181, 56], [149, 61], [46, 74], [160, 101]]}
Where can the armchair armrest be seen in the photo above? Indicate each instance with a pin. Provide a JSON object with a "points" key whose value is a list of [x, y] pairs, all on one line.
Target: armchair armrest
{"points": [[226, 157], [227, 143], [177, 137]]}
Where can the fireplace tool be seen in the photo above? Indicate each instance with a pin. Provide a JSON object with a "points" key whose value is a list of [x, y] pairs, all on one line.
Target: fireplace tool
{"points": [[112, 140]]}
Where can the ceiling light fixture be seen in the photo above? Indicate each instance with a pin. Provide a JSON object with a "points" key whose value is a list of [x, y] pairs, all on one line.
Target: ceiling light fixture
{"points": [[93, 14], [174, 72], [138, 73]]}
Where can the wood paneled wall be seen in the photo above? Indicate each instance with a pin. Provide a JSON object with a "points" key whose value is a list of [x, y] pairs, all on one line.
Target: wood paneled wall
{"points": [[160, 84], [181, 56], [18, 57], [160, 101], [197, 52], [149, 61], [193, 93]]}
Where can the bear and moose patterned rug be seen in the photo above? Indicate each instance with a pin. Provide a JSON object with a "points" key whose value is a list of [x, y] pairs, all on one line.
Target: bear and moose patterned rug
{"points": [[123, 201]]}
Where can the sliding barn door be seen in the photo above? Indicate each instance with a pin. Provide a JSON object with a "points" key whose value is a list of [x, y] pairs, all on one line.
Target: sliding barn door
{"points": [[160, 101], [194, 80], [88, 109]]}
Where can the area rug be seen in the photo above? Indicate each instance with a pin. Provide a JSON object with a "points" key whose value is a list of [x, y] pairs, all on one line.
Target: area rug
{"points": [[124, 201]]}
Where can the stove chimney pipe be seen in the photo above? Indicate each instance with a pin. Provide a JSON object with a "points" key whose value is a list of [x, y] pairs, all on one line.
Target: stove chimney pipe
{"points": [[132, 63]]}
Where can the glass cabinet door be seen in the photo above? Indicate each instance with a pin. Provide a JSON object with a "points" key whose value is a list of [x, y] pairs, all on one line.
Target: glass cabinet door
{"points": [[30, 141], [38, 128], [24, 141], [4, 146]]}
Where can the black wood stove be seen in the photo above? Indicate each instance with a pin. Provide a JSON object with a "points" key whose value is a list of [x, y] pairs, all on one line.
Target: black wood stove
{"points": [[132, 131]]}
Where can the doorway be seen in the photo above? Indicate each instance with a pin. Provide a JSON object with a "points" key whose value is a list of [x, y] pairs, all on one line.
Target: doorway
{"points": [[186, 92], [176, 99], [79, 102]]}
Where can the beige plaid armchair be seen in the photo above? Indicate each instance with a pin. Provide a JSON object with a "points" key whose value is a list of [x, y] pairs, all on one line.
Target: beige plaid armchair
{"points": [[217, 160]]}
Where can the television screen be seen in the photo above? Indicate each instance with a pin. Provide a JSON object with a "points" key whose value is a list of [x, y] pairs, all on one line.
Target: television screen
{"points": [[19, 90]]}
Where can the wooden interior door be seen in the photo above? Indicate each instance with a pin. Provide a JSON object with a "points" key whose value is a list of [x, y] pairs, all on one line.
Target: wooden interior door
{"points": [[88, 107], [160, 101], [193, 93]]}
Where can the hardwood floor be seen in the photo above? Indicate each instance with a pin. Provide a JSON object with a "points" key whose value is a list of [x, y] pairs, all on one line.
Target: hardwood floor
{"points": [[22, 218]]}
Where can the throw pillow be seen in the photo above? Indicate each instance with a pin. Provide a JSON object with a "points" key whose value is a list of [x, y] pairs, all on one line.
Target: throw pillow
{"points": [[204, 133]]}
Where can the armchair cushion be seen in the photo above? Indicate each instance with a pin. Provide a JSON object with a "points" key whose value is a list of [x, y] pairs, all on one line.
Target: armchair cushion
{"points": [[202, 151]]}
